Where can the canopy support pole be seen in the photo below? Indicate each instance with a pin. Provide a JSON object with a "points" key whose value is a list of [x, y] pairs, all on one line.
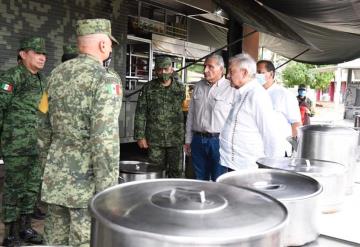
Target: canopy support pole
{"points": [[291, 59]]}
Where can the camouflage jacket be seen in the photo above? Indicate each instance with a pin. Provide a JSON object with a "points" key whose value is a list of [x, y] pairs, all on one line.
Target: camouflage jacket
{"points": [[159, 116], [20, 92], [83, 155]]}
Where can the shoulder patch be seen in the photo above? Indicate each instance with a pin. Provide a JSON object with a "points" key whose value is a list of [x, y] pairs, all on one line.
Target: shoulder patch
{"points": [[6, 87], [114, 89]]}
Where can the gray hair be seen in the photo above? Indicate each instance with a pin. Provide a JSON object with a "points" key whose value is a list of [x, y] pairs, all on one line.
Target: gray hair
{"points": [[218, 58], [244, 61]]}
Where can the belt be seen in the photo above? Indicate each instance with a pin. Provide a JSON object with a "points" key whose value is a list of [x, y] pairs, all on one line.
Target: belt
{"points": [[206, 134]]}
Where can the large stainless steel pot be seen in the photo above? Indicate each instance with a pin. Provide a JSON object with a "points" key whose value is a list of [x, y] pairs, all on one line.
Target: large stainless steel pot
{"points": [[183, 212], [138, 170], [331, 176], [357, 156], [299, 193], [332, 143]]}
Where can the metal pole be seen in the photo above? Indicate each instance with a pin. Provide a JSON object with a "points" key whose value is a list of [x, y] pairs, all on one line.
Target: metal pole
{"points": [[292, 58]]}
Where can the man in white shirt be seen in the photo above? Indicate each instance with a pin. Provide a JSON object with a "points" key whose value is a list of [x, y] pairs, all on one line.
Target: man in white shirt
{"points": [[284, 103], [210, 104], [250, 131]]}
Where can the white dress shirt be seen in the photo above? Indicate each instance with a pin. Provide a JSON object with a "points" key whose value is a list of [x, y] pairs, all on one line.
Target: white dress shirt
{"points": [[250, 131], [209, 107], [287, 111]]}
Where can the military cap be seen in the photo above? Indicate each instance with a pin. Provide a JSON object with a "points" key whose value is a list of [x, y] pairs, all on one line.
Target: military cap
{"points": [[36, 44], [70, 49], [162, 62], [93, 26]]}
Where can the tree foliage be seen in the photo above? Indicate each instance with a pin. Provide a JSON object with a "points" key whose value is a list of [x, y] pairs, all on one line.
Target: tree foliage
{"points": [[299, 73]]}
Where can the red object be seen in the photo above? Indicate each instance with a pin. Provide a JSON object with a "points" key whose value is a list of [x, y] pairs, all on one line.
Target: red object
{"points": [[332, 91], [318, 94], [304, 115]]}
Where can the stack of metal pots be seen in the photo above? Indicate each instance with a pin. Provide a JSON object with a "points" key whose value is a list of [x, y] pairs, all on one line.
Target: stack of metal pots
{"points": [[331, 175], [299, 193], [138, 170], [183, 212], [331, 143]]}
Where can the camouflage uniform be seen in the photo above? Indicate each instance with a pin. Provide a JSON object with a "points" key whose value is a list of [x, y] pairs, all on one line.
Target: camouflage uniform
{"points": [[19, 98], [159, 119], [70, 52], [84, 102]]}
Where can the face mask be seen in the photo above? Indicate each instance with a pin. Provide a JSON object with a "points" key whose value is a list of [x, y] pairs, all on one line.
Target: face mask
{"points": [[106, 62], [261, 79], [164, 77], [302, 93]]}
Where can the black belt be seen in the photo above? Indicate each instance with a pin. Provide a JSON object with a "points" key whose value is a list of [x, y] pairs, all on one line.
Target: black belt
{"points": [[206, 134]]}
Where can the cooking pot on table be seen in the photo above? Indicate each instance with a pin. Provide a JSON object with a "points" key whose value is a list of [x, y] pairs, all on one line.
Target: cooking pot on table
{"points": [[299, 193], [331, 175], [184, 212], [332, 143], [138, 170]]}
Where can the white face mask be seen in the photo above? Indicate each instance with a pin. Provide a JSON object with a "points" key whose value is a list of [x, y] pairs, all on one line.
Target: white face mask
{"points": [[261, 79]]}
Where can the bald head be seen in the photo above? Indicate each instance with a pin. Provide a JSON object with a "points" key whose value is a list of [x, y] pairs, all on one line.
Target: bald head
{"points": [[98, 45]]}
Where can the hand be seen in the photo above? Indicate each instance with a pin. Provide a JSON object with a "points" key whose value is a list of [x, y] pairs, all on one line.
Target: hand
{"points": [[187, 149], [142, 143]]}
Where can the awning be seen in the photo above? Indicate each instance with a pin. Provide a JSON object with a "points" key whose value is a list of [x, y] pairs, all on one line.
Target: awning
{"points": [[171, 46], [331, 29]]}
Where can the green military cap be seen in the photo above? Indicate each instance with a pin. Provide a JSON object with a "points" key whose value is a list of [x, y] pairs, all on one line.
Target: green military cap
{"points": [[162, 62], [92, 26], [36, 44], [70, 49]]}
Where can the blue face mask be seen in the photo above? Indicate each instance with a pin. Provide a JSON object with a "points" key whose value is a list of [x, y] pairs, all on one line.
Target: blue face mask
{"points": [[261, 79], [302, 93]]}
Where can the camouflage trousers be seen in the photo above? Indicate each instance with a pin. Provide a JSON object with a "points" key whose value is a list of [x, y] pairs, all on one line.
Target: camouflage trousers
{"points": [[21, 186], [169, 158], [67, 226]]}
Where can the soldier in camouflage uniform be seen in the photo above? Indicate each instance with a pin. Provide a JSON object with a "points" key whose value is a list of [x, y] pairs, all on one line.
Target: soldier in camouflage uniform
{"points": [[70, 52], [84, 102], [159, 119], [21, 89]]}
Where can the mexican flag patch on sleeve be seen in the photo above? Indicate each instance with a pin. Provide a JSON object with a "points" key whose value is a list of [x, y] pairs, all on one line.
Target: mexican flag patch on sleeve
{"points": [[6, 87], [114, 89]]}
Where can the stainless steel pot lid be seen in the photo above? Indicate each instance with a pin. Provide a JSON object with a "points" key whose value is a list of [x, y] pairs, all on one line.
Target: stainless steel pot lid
{"points": [[178, 208], [138, 167], [280, 184], [312, 166], [324, 128]]}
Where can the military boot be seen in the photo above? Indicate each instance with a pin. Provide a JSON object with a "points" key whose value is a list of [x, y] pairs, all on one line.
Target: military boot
{"points": [[11, 238], [38, 215], [27, 233]]}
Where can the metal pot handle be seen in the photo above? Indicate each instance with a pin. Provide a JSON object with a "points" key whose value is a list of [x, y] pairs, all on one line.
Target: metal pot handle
{"points": [[121, 180], [267, 186], [307, 162], [192, 195]]}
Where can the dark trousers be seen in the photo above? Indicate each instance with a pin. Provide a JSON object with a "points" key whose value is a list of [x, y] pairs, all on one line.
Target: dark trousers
{"points": [[206, 157], [21, 187]]}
